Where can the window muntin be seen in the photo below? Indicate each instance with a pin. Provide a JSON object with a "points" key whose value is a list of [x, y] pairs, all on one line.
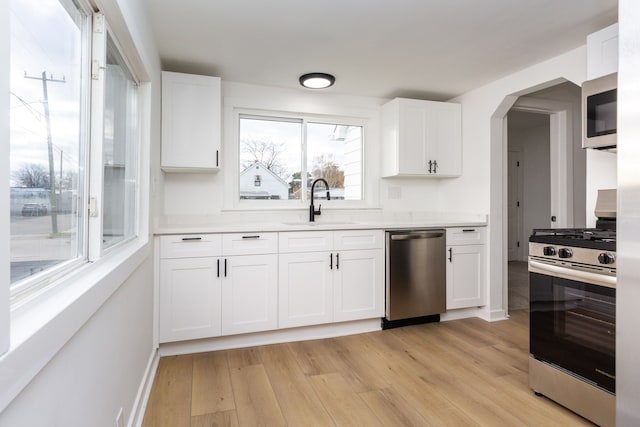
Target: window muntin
{"points": [[47, 140], [119, 150], [291, 153]]}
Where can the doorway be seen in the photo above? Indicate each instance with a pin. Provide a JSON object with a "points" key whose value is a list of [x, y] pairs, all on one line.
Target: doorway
{"points": [[561, 104], [529, 194]]}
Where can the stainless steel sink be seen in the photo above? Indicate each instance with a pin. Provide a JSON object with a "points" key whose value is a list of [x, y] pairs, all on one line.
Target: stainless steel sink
{"points": [[318, 223]]}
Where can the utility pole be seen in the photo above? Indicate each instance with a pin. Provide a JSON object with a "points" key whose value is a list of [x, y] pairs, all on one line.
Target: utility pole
{"points": [[52, 177]]}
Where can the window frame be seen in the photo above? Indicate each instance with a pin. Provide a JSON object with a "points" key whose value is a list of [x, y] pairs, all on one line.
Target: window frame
{"points": [[232, 145], [94, 51]]}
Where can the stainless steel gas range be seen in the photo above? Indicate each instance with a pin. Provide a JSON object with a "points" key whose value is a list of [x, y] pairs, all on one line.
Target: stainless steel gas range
{"points": [[572, 290]]}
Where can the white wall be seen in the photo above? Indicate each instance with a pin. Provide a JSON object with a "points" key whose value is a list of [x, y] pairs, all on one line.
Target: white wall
{"points": [[602, 168], [181, 192], [100, 368], [481, 187], [628, 250]]}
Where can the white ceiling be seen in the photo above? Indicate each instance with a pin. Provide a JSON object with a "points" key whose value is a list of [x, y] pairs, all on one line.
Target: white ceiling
{"points": [[433, 49]]}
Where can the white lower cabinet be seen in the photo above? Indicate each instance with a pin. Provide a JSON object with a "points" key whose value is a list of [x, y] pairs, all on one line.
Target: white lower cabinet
{"points": [[465, 268], [340, 284], [306, 289], [250, 294], [189, 299], [358, 289]]}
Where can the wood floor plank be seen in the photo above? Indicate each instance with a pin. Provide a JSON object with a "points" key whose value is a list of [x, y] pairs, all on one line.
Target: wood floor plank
{"points": [[211, 388], [313, 357], [170, 400], [241, 357], [218, 419], [392, 409], [256, 404], [345, 407], [298, 401]]}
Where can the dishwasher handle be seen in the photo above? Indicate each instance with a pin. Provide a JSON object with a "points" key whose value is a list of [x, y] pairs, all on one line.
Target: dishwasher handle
{"points": [[418, 235]]}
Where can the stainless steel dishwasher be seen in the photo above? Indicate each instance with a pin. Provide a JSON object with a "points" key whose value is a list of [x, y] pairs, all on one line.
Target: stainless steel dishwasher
{"points": [[415, 276]]}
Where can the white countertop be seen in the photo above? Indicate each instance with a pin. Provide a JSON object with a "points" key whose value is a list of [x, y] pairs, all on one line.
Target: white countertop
{"points": [[266, 223]]}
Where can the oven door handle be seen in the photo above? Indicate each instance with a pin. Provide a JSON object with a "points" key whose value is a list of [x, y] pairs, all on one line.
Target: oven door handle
{"points": [[571, 274]]}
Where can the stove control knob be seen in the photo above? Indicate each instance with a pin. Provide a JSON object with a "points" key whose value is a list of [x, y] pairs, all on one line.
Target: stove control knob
{"points": [[565, 253], [549, 250], [606, 258]]}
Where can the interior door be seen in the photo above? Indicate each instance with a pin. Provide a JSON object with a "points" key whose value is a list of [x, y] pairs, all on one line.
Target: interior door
{"points": [[516, 239]]}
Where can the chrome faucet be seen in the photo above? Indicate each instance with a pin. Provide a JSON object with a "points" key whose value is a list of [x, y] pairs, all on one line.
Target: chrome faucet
{"points": [[312, 210]]}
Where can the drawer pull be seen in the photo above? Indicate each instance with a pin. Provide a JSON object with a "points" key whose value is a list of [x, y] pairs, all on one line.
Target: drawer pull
{"points": [[191, 239], [251, 237], [468, 230]]}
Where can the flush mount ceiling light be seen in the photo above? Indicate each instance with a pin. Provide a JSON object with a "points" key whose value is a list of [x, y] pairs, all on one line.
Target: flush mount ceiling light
{"points": [[317, 80]]}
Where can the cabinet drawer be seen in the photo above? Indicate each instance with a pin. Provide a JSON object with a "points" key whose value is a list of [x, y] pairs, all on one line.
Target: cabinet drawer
{"points": [[190, 245], [358, 239], [305, 241], [249, 243], [466, 236]]}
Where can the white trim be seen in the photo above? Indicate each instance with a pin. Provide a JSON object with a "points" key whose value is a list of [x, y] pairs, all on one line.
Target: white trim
{"points": [[144, 391], [271, 337], [40, 330], [5, 263]]}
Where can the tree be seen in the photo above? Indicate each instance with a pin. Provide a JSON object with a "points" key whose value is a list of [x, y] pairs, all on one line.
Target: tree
{"points": [[265, 152], [32, 175], [295, 184], [324, 166]]}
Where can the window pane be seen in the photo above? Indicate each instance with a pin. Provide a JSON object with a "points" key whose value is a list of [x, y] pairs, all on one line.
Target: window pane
{"points": [[334, 152], [120, 149], [270, 159], [46, 137]]}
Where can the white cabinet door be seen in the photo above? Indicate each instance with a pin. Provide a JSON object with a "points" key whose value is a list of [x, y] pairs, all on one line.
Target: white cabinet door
{"points": [[602, 52], [465, 276], [358, 286], [191, 117], [305, 289], [443, 139], [249, 293], [189, 299]]}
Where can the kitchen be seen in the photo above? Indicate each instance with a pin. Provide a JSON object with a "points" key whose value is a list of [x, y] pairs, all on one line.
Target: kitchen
{"points": [[173, 198]]}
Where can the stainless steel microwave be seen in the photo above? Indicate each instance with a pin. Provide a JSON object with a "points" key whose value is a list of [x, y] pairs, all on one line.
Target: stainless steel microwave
{"points": [[599, 112]]}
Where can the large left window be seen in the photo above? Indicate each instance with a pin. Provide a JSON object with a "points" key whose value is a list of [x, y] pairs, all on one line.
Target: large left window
{"points": [[49, 40], [73, 178]]}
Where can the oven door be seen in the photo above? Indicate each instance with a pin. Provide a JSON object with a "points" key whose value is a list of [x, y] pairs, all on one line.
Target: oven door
{"points": [[572, 326]]}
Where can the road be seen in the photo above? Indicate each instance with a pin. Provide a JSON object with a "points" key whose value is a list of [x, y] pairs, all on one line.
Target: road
{"points": [[34, 249]]}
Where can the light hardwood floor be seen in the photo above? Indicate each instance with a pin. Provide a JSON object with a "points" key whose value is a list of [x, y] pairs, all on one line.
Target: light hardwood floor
{"points": [[459, 373]]}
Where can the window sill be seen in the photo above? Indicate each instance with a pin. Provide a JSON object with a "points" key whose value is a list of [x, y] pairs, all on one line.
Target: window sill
{"points": [[42, 327]]}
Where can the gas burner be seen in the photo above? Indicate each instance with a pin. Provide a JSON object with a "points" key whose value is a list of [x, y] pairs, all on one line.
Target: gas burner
{"points": [[594, 238]]}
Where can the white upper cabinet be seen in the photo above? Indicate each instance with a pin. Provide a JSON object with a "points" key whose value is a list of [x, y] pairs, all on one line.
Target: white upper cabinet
{"points": [[422, 138], [191, 123], [602, 52]]}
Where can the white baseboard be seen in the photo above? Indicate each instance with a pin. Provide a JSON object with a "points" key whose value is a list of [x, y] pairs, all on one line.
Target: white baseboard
{"points": [[271, 337], [144, 391], [494, 315], [460, 313]]}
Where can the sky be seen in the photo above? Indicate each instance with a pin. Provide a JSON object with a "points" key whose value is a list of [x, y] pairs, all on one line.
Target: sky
{"points": [[44, 38]]}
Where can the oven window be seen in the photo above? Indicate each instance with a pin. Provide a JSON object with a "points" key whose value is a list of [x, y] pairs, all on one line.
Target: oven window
{"points": [[586, 318]]}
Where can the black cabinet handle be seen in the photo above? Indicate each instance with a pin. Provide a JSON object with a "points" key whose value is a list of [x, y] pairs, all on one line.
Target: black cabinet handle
{"points": [[191, 239], [450, 254], [251, 237], [331, 261], [218, 267], [337, 261], [217, 158], [429, 166], [467, 230], [225, 267], [435, 166]]}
